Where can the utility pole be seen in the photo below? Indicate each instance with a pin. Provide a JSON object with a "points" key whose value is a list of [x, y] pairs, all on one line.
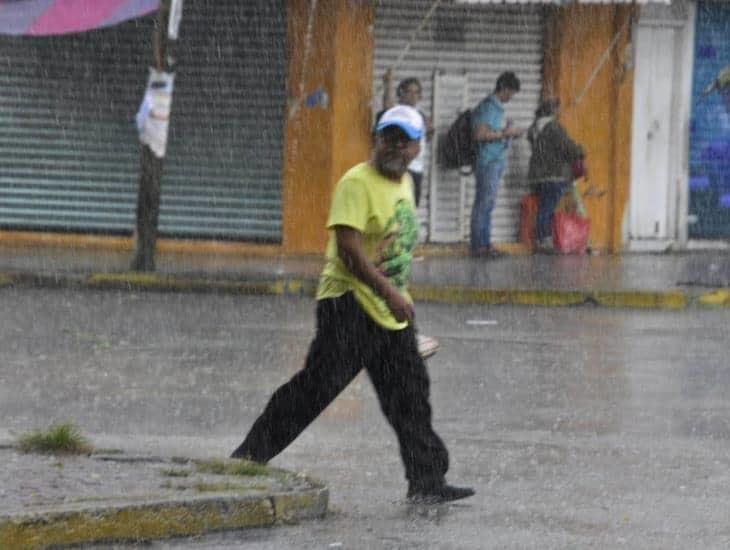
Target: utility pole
{"points": [[148, 199]]}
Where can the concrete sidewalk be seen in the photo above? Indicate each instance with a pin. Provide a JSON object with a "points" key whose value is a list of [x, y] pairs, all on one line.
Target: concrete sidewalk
{"points": [[670, 280], [51, 501]]}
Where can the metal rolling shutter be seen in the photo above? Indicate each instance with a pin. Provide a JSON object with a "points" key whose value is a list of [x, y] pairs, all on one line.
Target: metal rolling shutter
{"points": [[480, 41], [69, 154]]}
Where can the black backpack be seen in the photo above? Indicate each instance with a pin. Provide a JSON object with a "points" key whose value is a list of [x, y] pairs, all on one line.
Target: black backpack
{"points": [[456, 148]]}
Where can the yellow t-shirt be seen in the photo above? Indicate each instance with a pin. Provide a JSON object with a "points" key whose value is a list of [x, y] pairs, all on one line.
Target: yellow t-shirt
{"points": [[383, 211]]}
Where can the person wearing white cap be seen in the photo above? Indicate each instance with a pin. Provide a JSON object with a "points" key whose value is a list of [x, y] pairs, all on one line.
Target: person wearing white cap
{"points": [[409, 93], [365, 317]]}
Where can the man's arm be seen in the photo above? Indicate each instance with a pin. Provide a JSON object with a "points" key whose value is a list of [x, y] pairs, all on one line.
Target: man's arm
{"points": [[388, 100], [483, 132], [351, 251], [485, 123]]}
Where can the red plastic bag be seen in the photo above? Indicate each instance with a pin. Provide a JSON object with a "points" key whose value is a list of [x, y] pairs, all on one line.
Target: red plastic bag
{"points": [[528, 213], [570, 232]]}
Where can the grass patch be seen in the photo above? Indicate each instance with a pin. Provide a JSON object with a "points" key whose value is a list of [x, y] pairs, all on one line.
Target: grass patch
{"points": [[58, 439], [175, 472], [238, 468]]}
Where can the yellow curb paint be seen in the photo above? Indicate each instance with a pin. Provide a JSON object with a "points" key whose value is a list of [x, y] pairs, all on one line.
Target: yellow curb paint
{"points": [[718, 298], [548, 298], [470, 295], [458, 295], [140, 522], [641, 299], [152, 281], [294, 287], [425, 293], [131, 279], [551, 298], [277, 287]]}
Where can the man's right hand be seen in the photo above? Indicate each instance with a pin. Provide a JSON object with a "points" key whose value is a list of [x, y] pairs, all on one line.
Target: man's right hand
{"points": [[512, 132], [401, 308]]}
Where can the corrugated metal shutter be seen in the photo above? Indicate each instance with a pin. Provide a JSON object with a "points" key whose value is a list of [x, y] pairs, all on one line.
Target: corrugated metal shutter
{"points": [[480, 41], [448, 187], [69, 154]]}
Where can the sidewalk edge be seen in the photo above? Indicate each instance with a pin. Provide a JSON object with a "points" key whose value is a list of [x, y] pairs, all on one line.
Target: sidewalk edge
{"points": [[155, 520], [306, 287]]}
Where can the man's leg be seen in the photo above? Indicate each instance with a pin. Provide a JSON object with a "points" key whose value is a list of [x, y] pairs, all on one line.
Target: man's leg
{"points": [[488, 177], [549, 197], [401, 382], [542, 220], [477, 239], [335, 356], [494, 178]]}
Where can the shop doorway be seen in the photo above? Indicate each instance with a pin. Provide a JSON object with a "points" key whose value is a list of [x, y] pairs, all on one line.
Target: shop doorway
{"points": [[661, 107]]}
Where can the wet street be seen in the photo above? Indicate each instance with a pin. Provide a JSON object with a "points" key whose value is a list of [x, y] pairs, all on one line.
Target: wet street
{"points": [[578, 427]]}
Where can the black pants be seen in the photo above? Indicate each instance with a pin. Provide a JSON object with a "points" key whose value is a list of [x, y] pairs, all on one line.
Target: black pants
{"points": [[347, 341]]}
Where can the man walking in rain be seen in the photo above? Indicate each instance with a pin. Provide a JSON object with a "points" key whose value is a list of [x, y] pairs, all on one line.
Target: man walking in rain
{"points": [[365, 317]]}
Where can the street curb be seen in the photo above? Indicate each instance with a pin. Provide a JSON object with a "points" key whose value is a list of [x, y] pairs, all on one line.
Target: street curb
{"points": [[161, 283], [144, 518], [716, 298], [450, 294], [552, 298], [135, 521]]}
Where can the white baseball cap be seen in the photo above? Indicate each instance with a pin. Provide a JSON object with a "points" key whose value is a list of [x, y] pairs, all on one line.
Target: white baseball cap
{"points": [[405, 117]]}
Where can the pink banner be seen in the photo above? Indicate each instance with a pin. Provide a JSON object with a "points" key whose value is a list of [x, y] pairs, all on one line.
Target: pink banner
{"points": [[45, 17]]}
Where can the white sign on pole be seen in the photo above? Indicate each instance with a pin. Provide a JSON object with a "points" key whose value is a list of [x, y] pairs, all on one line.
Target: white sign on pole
{"points": [[176, 7], [153, 116]]}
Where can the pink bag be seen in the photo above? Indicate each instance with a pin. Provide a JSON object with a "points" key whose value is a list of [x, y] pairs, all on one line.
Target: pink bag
{"points": [[570, 232]]}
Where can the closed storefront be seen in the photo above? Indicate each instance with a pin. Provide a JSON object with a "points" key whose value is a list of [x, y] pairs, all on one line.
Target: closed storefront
{"points": [[680, 185], [69, 153], [457, 53]]}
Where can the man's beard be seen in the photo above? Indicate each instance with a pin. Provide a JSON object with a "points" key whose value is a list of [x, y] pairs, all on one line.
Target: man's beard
{"points": [[393, 167]]}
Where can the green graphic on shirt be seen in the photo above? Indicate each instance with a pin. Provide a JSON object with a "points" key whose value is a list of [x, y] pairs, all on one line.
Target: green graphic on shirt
{"points": [[396, 250]]}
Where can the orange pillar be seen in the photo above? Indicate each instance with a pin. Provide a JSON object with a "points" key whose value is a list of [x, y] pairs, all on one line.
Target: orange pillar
{"points": [[597, 114], [327, 123]]}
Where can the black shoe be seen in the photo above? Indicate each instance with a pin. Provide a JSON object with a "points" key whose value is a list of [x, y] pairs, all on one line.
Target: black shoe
{"points": [[439, 494]]}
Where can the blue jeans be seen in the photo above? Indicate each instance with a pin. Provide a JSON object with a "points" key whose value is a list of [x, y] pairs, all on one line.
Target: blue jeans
{"points": [[549, 193], [488, 177]]}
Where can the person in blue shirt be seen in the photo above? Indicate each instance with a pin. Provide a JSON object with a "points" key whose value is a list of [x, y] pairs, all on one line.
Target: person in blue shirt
{"points": [[491, 135]]}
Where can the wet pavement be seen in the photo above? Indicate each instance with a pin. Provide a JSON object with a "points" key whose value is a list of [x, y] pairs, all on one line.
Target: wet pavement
{"points": [[578, 427]]}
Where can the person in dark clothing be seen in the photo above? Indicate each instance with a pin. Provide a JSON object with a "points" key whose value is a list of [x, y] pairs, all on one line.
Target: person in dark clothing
{"points": [[365, 317], [550, 172]]}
